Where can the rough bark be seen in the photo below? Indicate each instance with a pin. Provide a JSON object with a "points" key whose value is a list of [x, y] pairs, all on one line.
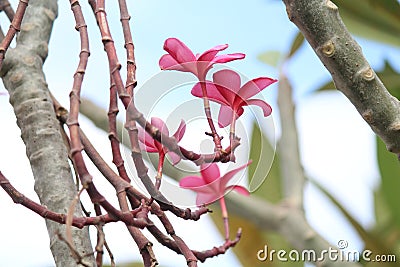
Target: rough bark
{"points": [[24, 79]]}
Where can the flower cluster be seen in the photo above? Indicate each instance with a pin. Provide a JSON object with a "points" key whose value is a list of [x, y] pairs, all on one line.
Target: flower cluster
{"points": [[225, 89]]}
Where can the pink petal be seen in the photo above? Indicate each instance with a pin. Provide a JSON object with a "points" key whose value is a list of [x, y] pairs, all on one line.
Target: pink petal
{"points": [[210, 172], [143, 147], [225, 116], [206, 199], [212, 92], [211, 53], [254, 86], [149, 149], [178, 50], [262, 104], [167, 62], [180, 131], [228, 84], [174, 157], [160, 124], [228, 58], [195, 183], [238, 188], [229, 175], [146, 140]]}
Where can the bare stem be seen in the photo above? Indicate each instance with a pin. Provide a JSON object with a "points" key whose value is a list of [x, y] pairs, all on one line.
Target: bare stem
{"points": [[207, 110], [224, 217]]}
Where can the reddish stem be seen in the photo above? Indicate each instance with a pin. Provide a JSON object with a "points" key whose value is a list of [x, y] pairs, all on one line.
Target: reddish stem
{"points": [[130, 55], [6, 7], [224, 217], [78, 222], [232, 135], [14, 28], [161, 158], [207, 110]]}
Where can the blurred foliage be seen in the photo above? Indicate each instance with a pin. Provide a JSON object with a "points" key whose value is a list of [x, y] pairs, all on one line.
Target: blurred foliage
{"points": [[377, 20], [272, 58], [389, 168]]}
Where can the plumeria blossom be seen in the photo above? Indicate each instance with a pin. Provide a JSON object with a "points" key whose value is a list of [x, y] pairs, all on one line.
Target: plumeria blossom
{"points": [[211, 186], [148, 144], [181, 58], [226, 90]]}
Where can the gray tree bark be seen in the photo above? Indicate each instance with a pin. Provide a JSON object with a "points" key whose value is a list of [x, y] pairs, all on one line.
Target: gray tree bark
{"points": [[321, 25], [24, 79]]}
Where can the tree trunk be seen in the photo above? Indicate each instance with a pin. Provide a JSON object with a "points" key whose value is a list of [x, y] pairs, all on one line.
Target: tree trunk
{"points": [[40, 130]]}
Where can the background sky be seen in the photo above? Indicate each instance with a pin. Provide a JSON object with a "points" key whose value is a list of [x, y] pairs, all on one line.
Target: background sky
{"points": [[337, 146]]}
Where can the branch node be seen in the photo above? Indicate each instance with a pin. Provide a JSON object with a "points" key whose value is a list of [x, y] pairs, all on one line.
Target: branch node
{"points": [[331, 5], [367, 74], [328, 48]]}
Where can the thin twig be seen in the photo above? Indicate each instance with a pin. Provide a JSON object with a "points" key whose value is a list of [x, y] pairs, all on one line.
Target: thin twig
{"points": [[15, 27]]}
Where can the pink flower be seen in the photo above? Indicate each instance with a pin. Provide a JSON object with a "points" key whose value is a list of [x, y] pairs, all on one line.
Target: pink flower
{"points": [[181, 58], [211, 186], [226, 90], [148, 144]]}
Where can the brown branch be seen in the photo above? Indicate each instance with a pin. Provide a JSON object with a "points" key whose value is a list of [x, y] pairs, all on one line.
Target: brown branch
{"points": [[15, 27], [101, 242], [76, 145], [6, 7], [112, 133], [203, 255], [130, 55], [121, 184], [125, 96], [61, 218]]}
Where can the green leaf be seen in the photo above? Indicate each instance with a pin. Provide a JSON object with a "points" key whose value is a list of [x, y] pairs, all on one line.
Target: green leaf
{"points": [[298, 41], [328, 86], [264, 172], [389, 168], [391, 79], [272, 58], [382, 211], [371, 19], [385, 227]]}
